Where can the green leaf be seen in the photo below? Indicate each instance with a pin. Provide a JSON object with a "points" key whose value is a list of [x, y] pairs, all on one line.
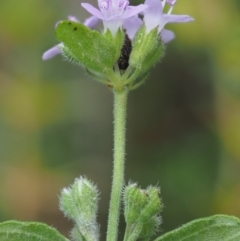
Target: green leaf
{"points": [[214, 228], [87, 47], [28, 231]]}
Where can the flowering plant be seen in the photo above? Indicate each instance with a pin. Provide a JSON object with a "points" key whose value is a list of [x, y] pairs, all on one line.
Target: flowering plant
{"points": [[131, 43], [121, 56]]}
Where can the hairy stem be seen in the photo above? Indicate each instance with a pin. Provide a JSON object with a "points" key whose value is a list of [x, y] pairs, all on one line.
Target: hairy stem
{"points": [[120, 106]]}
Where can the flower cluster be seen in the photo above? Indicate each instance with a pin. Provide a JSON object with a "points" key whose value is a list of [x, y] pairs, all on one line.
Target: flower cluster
{"points": [[117, 14]]}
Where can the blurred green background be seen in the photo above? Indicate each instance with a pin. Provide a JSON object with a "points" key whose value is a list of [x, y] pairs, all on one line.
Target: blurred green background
{"points": [[183, 124]]}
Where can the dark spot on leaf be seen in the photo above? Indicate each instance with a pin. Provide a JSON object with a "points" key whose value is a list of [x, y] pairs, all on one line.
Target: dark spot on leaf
{"points": [[69, 23], [75, 28], [125, 53], [109, 86]]}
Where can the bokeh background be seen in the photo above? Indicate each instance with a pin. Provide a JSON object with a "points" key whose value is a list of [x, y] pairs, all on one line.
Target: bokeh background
{"points": [[183, 124]]}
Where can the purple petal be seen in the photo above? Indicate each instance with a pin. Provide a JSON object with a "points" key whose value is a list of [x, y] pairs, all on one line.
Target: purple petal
{"points": [[91, 22], [171, 18], [153, 14], [94, 11], [167, 36], [131, 11], [132, 25], [51, 53], [73, 18], [154, 7], [113, 25], [134, 10]]}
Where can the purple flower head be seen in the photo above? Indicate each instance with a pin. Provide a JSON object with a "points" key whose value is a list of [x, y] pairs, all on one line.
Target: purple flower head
{"points": [[52, 52], [131, 25], [154, 16], [113, 13]]}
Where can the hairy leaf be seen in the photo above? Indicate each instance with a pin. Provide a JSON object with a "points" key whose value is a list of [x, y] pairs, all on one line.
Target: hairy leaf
{"points": [[85, 46], [28, 231], [214, 228]]}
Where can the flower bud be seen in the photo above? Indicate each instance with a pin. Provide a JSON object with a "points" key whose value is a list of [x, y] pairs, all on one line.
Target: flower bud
{"points": [[134, 201], [150, 228], [153, 206], [80, 202], [142, 208], [144, 48], [117, 40], [150, 214]]}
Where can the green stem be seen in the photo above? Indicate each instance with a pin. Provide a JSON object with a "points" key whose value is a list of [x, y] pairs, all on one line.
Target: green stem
{"points": [[120, 106]]}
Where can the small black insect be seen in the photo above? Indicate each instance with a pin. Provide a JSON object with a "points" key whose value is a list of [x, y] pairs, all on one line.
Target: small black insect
{"points": [[125, 53], [75, 28]]}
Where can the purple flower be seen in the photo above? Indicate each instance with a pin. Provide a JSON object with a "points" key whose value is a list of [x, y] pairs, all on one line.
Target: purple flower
{"points": [[52, 52], [154, 16], [131, 25], [113, 13]]}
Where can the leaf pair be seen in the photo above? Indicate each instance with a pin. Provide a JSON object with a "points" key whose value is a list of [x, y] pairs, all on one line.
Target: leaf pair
{"points": [[214, 228]]}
